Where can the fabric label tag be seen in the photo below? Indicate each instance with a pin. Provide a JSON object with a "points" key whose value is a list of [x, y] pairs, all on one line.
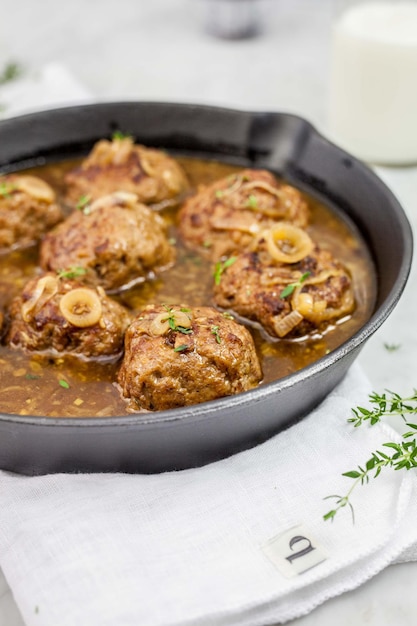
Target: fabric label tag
{"points": [[294, 551]]}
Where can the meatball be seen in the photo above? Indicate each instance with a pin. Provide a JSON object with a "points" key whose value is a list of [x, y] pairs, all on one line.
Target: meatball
{"points": [[290, 292], [118, 240], [177, 356], [58, 316], [28, 209], [120, 165], [225, 216]]}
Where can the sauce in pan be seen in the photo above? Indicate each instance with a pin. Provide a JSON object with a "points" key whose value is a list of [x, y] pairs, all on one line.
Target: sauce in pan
{"points": [[36, 385]]}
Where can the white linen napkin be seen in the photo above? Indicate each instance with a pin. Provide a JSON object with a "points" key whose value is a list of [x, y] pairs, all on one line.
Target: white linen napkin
{"points": [[189, 547], [197, 547], [51, 87]]}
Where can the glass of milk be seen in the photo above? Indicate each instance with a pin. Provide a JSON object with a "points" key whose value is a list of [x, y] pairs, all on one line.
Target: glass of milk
{"points": [[373, 82]]}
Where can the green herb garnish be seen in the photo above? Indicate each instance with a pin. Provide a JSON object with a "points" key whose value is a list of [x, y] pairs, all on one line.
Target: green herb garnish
{"points": [[72, 272], [216, 332], [220, 267], [118, 136], [252, 202], [392, 347], [63, 383], [219, 193], [181, 348], [10, 72], [400, 455], [6, 189], [83, 204], [180, 329], [172, 322], [289, 289]]}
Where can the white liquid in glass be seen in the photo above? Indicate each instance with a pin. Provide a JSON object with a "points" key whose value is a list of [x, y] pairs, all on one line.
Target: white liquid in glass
{"points": [[373, 87]]}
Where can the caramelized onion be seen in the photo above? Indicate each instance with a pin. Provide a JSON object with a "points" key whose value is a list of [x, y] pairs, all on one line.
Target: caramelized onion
{"points": [[121, 150], [147, 168], [161, 323], [81, 307], [287, 243], [35, 187], [45, 289], [285, 325], [118, 198], [316, 309], [235, 222]]}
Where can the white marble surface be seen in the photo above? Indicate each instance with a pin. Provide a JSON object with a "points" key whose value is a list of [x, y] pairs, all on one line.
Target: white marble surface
{"points": [[136, 49]]}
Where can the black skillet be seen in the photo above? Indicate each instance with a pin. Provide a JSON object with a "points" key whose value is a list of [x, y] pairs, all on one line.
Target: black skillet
{"points": [[191, 436]]}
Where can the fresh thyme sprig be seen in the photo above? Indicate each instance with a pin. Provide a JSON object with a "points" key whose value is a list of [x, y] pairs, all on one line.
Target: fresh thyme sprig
{"points": [[173, 322], [6, 189], [118, 135], [404, 455], [389, 404], [220, 267], [83, 204], [72, 272], [10, 72], [288, 290], [392, 347]]}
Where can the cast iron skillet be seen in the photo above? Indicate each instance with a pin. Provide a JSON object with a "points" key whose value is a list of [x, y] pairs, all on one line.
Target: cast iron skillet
{"points": [[182, 438]]}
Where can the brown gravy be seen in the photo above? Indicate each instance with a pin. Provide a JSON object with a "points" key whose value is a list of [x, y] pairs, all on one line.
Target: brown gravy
{"points": [[36, 385]]}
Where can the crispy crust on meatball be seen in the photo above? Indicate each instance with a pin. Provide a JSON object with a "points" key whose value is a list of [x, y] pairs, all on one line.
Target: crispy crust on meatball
{"points": [[118, 241], [120, 165], [59, 316], [28, 209], [177, 356], [225, 216]]}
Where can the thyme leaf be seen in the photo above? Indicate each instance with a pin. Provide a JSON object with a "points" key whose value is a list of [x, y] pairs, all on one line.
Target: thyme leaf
{"points": [[181, 348], [401, 455], [220, 266], [392, 347], [72, 272], [289, 289], [173, 323], [252, 202], [216, 332], [83, 204], [118, 135], [6, 189], [11, 71]]}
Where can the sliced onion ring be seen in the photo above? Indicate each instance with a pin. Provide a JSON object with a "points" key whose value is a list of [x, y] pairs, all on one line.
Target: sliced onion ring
{"points": [[287, 243], [45, 289], [285, 325], [81, 307], [315, 309], [160, 324], [35, 187]]}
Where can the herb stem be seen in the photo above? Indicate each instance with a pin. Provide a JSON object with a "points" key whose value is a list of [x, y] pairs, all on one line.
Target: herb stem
{"points": [[404, 452]]}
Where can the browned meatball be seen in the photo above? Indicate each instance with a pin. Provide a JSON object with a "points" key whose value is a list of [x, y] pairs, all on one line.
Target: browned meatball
{"points": [[120, 165], [58, 316], [288, 299], [226, 215], [118, 240], [177, 356], [28, 209]]}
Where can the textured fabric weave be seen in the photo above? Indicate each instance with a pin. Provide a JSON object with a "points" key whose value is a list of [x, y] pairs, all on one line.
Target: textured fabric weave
{"points": [[186, 547]]}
